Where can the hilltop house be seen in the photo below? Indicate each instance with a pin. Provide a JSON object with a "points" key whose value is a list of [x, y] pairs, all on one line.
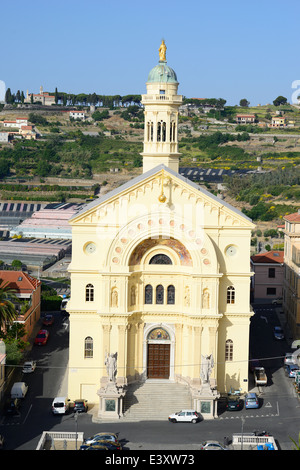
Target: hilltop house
{"points": [[245, 118], [80, 115], [18, 123], [278, 121], [42, 97]]}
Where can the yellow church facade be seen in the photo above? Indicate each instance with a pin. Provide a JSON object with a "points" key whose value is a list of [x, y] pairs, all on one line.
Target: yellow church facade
{"points": [[160, 273]]}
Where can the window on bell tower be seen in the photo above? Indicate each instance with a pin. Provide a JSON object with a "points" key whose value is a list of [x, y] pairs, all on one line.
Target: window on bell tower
{"points": [[150, 131], [161, 131]]}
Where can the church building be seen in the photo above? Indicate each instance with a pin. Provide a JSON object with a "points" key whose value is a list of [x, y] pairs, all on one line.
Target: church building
{"points": [[160, 273]]}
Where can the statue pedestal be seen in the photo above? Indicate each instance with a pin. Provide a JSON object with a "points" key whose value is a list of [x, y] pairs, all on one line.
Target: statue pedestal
{"points": [[205, 401], [111, 401]]}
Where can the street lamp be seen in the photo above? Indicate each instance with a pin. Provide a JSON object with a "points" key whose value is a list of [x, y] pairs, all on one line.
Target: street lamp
{"points": [[76, 421], [243, 421]]}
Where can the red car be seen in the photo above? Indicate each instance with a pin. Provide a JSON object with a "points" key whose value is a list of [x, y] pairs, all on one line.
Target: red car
{"points": [[41, 337], [48, 320]]}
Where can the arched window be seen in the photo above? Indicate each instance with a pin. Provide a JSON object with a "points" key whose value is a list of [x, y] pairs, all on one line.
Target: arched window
{"points": [[230, 295], [159, 294], [88, 347], [171, 295], [161, 131], [150, 131], [164, 132], [158, 132], [160, 259], [148, 294], [229, 350], [172, 131], [89, 293]]}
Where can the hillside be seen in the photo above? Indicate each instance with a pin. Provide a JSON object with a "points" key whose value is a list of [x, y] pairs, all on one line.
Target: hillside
{"points": [[74, 158]]}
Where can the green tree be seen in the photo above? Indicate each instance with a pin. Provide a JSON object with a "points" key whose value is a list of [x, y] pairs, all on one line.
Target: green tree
{"points": [[244, 103], [16, 263], [13, 335], [8, 96], [8, 311], [279, 100]]}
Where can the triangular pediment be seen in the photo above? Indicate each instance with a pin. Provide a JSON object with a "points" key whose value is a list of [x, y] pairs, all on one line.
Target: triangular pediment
{"points": [[162, 186]]}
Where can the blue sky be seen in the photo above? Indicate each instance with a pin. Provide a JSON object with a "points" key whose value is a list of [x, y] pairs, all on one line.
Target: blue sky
{"points": [[222, 49]]}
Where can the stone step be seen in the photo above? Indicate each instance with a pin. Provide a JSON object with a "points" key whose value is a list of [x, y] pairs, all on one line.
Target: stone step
{"points": [[155, 400]]}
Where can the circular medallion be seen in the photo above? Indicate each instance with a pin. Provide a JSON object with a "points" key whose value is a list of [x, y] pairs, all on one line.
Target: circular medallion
{"points": [[231, 250], [90, 248]]}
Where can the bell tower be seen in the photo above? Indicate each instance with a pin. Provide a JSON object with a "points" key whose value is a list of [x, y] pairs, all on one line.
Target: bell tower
{"points": [[161, 104]]}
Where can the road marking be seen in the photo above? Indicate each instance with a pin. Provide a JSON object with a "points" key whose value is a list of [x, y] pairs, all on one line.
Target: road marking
{"points": [[27, 414]]}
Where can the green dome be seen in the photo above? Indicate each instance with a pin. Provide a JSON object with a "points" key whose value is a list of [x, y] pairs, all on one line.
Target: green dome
{"points": [[162, 73]]}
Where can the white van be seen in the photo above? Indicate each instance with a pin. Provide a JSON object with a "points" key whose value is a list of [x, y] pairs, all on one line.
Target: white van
{"points": [[60, 405], [19, 390]]}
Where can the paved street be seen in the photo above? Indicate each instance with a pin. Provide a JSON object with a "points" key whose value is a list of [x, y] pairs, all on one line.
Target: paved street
{"points": [[279, 413]]}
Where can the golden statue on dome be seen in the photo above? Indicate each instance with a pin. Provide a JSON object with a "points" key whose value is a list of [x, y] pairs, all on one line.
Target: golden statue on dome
{"points": [[162, 51]]}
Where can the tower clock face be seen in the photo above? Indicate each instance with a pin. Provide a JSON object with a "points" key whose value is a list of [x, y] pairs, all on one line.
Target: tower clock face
{"points": [[231, 250], [90, 248]]}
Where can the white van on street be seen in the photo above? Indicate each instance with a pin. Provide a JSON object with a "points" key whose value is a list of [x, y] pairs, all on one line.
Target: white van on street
{"points": [[60, 405], [19, 390]]}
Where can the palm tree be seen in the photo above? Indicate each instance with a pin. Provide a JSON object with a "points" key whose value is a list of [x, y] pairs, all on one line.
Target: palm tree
{"points": [[8, 311]]}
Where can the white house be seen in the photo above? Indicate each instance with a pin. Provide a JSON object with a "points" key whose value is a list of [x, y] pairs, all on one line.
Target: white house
{"points": [[18, 123], [77, 115]]}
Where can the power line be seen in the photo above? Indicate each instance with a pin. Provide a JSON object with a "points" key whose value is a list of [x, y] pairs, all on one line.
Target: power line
{"points": [[142, 367]]}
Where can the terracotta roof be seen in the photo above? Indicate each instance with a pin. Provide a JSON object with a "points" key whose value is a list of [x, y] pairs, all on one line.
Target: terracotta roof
{"points": [[19, 280], [273, 256], [245, 115], [295, 217]]}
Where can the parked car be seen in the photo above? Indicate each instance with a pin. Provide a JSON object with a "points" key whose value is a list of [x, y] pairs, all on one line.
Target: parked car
{"points": [[288, 359], [277, 301], [190, 416], [28, 367], [41, 337], [101, 436], [278, 332], [60, 405], [48, 320], [12, 406], [234, 403], [93, 447], [102, 445], [291, 370], [19, 390], [251, 400], [80, 406], [212, 445]]}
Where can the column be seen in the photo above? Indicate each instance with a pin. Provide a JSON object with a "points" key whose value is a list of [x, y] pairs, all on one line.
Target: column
{"points": [[122, 354], [197, 332], [105, 350]]}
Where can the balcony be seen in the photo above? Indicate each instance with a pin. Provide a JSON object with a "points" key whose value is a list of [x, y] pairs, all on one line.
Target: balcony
{"points": [[60, 441]]}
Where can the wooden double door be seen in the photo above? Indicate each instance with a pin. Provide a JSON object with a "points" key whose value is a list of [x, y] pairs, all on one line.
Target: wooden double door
{"points": [[158, 361]]}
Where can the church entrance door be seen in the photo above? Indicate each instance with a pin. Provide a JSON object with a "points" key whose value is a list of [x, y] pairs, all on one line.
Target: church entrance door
{"points": [[158, 363]]}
